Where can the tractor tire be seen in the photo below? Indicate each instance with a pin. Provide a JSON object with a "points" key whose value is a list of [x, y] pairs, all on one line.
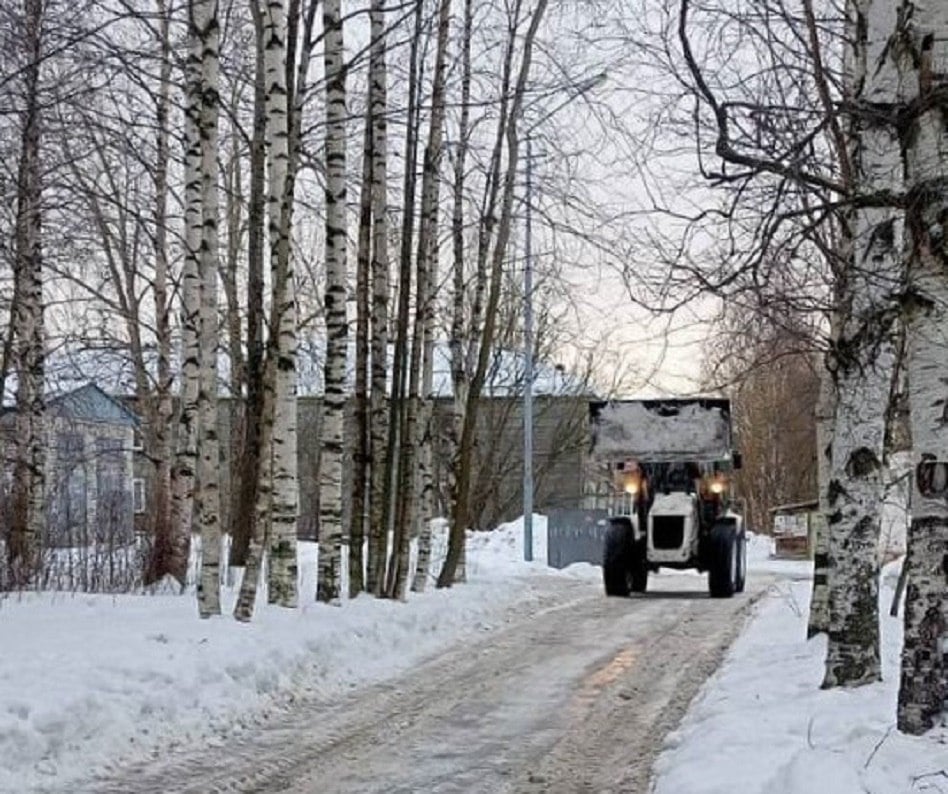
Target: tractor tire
{"points": [[723, 568], [617, 553], [741, 563]]}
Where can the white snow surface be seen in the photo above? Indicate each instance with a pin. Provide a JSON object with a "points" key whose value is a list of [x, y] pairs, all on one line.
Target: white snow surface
{"points": [[629, 428], [762, 725], [88, 681]]}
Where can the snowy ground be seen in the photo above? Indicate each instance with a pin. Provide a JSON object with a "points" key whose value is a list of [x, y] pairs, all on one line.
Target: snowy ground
{"points": [[763, 726], [89, 681]]}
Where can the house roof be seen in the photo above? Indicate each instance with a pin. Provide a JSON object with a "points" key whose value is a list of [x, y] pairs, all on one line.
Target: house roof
{"points": [[90, 403]]}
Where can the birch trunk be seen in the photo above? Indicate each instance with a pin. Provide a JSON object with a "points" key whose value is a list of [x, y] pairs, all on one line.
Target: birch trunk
{"points": [[187, 435], [863, 362], [28, 492], [378, 489], [282, 573], [426, 416], [414, 436], [391, 502], [330, 523], [207, 493], [169, 553], [923, 67]]}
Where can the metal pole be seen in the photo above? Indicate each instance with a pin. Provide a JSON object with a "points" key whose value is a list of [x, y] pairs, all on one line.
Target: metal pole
{"points": [[528, 365]]}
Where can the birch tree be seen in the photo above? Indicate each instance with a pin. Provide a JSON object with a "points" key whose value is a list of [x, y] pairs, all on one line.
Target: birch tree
{"points": [[921, 44], [413, 434], [277, 487], [862, 361], [334, 400], [380, 277], [204, 21], [283, 136], [28, 493], [379, 573], [187, 433]]}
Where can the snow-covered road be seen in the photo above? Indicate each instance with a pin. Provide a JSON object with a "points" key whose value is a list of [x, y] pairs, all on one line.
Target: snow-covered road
{"points": [[574, 694]]}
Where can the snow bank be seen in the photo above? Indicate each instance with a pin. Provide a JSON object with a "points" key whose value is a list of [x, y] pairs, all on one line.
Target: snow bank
{"points": [[88, 680], [762, 725]]}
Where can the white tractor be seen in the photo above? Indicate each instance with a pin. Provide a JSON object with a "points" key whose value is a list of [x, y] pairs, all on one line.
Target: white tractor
{"points": [[670, 463]]}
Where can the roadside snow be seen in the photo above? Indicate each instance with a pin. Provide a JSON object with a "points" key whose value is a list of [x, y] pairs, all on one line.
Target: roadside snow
{"points": [[763, 726], [90, 681]]}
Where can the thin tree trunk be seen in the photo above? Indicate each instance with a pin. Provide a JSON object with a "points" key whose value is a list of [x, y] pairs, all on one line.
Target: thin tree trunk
{"points": [[169, 554], [207, 493], [923, 690], [400, 356], [245, 497], [187, 436], [461, 516], [360, 460], [28, 494], [282, 573], [461, 343], [379, 492], [414, 434], [333, 445], [230, 275]]}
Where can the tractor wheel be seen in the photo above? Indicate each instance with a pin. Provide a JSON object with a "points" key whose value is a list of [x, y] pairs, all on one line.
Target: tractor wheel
{"points": [[617, 552], [741, 563], [723, 568]]}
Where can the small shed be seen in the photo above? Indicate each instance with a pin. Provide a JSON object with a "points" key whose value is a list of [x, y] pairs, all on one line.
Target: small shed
{"points": [[794, 528]]}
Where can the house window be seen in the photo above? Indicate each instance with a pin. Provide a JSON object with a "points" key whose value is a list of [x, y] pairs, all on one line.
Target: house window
{"points": [[138, 495], [138, 443]]}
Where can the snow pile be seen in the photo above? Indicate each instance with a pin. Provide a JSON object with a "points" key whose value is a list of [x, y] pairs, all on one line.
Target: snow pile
{"points": [[662, 431], [88, 680], [763, 726]]}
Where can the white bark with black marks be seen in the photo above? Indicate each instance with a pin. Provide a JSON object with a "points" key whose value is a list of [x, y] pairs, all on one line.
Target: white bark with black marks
{"points": [[205, 26], [187, 435], [922, 41], [284, 497], [412, 463], [337, 333], [862, 361]]}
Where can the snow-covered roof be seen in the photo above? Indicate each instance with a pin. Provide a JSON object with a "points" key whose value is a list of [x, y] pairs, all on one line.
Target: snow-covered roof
{"points": [[87, 403]]}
